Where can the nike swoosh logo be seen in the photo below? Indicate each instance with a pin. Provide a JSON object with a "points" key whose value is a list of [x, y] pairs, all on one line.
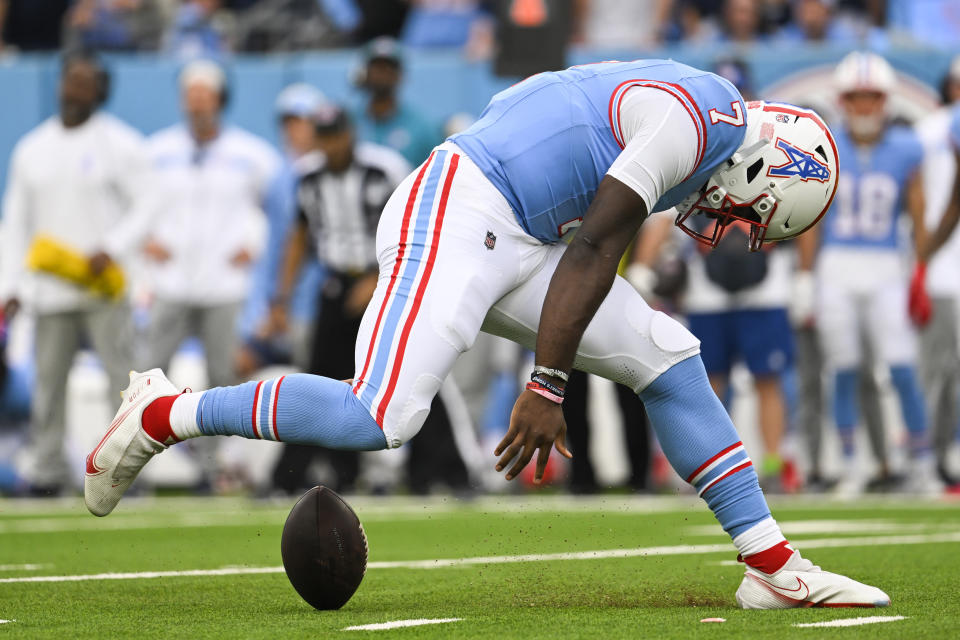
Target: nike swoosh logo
{"points": [[800, 594], [92, 468]]}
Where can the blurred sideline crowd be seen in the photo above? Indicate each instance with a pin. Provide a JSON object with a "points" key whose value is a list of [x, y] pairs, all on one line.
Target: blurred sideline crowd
{"points": [[204, 248], [214, 28]]}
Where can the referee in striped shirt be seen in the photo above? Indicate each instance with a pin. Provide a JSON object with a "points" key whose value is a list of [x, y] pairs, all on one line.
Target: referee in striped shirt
{"points": [[339, 206]]}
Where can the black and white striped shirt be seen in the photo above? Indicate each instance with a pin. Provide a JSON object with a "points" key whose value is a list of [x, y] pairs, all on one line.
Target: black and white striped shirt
{"points": [[342, 209]]}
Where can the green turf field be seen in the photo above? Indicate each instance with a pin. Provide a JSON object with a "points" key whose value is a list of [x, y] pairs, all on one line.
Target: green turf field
{"points": [[910, 549]]}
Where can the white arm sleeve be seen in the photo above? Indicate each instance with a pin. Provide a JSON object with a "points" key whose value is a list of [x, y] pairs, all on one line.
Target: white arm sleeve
{"points": [[661, 143]]}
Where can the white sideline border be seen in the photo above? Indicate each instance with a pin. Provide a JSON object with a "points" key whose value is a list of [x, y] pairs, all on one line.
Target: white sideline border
{"points": [[397, 624], [851, 622], [822, 543]]}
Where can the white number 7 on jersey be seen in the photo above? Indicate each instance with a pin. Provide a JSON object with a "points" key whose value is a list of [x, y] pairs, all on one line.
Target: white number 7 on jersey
{"points": [[736, 119]]}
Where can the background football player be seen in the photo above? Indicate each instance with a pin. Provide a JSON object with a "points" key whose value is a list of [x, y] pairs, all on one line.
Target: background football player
{"points": [[860, 276]]}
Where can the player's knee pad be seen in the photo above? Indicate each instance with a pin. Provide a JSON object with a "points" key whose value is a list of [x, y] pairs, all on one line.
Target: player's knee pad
{"points": [[636, 351], [672, 343], [405, 416]]}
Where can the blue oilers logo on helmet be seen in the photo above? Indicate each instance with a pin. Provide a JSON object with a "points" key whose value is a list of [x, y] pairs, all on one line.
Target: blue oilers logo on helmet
{"points": [[777, 199], [799, 163]]}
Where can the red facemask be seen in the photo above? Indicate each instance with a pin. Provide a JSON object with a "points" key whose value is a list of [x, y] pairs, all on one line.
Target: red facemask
{"points": [[724, 213]]}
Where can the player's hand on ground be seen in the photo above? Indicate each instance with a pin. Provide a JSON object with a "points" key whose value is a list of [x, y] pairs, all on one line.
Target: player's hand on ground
{"points": [[360, 294], [99, 262], [156, 251], [536, 423]]}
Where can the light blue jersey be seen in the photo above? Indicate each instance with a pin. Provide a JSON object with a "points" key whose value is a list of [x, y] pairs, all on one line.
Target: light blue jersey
{"points": [[872, 189], [547, 142]]}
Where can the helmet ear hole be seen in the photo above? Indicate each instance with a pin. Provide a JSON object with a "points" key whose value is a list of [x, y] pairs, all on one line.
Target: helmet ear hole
{"points": [[754, 169]]}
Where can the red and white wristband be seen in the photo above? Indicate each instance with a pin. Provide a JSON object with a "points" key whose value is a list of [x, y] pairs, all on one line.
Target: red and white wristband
{"points": [[539, 389]]}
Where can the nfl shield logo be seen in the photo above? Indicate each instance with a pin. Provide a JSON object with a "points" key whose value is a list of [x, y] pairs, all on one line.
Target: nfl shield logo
{"points": [[491, 241]]}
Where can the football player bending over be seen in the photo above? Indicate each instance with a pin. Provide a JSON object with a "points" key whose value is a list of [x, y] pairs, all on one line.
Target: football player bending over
{"points": [[470, 241]]}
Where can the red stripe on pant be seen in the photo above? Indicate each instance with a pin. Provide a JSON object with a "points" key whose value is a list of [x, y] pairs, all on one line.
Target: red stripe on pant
{"points": [[404, 231], [418, 298]]}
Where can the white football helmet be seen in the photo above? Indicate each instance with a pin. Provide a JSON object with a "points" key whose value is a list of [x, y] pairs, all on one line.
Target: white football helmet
{"points": [[862, 71], [780, 181]]}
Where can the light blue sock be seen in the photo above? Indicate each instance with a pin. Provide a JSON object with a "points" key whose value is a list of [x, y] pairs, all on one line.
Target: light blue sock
{"points": [[701, 443], [845, 409], [299, 408], [912, 408]]}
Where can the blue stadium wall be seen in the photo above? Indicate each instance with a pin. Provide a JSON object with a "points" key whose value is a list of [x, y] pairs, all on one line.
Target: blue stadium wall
{"points": [[440, 83]]}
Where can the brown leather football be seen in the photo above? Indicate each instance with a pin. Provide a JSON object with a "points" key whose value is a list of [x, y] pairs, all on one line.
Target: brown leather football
{"points": [[324, 549]]}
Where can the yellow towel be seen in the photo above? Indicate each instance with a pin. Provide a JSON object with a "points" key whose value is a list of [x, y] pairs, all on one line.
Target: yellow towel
{"points": [[52, 256]]}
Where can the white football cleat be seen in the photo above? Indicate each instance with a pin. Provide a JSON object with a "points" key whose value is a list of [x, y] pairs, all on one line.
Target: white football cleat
{"points": [[114, 464], [800, 583], [922, 478]]}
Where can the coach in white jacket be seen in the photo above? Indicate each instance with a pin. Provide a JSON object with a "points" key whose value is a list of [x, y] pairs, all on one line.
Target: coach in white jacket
{"points": [[207, 225], [74, 178]]}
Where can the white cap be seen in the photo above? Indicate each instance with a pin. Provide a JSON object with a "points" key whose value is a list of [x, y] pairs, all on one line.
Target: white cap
{"points": [[299, 99], [203, 72]]}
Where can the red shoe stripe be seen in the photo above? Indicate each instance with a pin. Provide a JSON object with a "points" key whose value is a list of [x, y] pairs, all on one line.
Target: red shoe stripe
{"points": [[770, 560], [809, 603], [92, 468]]}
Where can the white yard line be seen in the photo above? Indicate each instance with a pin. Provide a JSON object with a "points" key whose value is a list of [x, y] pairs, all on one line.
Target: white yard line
{"points": [[821, 527], [396, 624], [851, 622], [24, 567], [138, 575], [538, 557], [186, 520], [365, 506], [6, 621]]}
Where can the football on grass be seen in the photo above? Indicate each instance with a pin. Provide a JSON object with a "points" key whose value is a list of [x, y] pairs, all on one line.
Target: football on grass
{"points": [[324, 549]]}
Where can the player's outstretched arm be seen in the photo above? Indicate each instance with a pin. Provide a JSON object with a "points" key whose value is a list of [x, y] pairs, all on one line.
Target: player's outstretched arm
{"points": [[581, 281]]}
